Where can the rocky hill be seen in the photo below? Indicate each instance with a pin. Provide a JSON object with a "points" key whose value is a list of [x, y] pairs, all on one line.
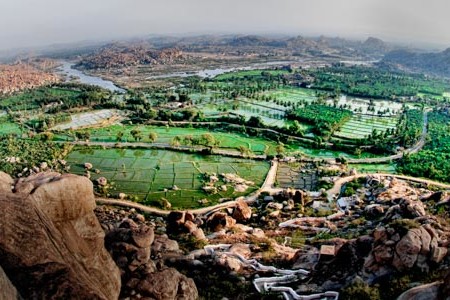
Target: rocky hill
{"points": [[389, 238], [52, 246], [22, 76], [121, 55], [433, 63]]}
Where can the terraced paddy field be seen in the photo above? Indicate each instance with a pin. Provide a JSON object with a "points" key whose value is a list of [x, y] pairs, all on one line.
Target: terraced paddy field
{"points": [[270, 113], [165, 135], [360, 126], [151, 174], [293, 95], [294, 176]]}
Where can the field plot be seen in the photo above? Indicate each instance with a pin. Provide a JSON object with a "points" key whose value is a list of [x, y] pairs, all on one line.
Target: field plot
{"points": [[89, 119], [293, 95], [374, 168], [8, 127], [152, 174], [270, 113], [34, 99], [292, 175], [165, 135], [270, 117], [366, 106], [360, 126]]}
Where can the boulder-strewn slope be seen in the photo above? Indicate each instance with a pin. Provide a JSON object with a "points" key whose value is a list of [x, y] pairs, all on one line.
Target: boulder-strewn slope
{"points": [[120, 56], [51, 243], [20, 76]]}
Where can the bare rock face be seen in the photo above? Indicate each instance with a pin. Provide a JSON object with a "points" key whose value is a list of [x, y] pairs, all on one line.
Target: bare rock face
{"points": [[419, 248], [52, 245], [7, 289], [422, 292], [219, 221], [242, 212], [131, 244], [407, 250]]}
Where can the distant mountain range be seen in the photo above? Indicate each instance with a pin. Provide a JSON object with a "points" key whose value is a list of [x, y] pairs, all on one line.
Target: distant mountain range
{"points": [[167, 50], [372, 46], [437, 63]]}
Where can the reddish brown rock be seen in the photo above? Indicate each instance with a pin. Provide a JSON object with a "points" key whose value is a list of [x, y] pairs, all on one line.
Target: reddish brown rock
{"points": [[7, 289], [407, 250], [220, 220], [167, 284], [242, 212], [52, 243], [422, 292]]}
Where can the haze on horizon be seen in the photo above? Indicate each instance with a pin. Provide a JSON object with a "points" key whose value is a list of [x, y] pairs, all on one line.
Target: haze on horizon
{"points": [[31, 23]]}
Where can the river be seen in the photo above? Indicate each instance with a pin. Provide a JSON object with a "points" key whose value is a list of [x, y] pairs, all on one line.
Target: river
{"points": [[210, 73], [69, 72]]}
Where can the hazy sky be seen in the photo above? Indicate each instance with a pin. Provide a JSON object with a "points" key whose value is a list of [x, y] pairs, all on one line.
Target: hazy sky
{"points": [[43, 22]]}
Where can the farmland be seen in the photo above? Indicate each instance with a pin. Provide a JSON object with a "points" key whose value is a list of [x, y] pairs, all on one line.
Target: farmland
{"points": [[166, 135], [433, 161], [361, 126], [152, 174], [230, 76], [241, 117], [297, 176], [8, 127], [35, 99], [325, 119]]}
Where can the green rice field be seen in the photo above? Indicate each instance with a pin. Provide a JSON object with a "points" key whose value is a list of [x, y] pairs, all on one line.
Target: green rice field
{"points": [[8, 127], [293, 95], [360, 126], [374, 168], [166, 135], [150, 174]]}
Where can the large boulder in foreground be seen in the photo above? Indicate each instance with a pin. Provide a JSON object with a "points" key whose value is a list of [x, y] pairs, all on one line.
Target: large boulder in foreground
{"points": [[52, 245], [7, 289]]}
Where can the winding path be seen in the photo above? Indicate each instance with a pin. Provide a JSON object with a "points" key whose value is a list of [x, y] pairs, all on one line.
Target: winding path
{"points": [[271, 175], [414, 149], [266, 186], [336, 189]]}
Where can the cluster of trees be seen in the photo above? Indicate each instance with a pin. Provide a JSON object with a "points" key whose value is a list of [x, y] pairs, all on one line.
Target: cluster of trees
{"points": [[28, 153], [434, 160], [44, 123], [409, 128], [374, 82], [325, 119], [206, 139], [137, 135]]}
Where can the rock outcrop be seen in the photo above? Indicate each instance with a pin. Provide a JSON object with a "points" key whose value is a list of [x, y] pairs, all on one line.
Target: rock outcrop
{"points": [[242, 212], [52, 245], [131, 244], [14, 78], [7, 289], [121, 55]]}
